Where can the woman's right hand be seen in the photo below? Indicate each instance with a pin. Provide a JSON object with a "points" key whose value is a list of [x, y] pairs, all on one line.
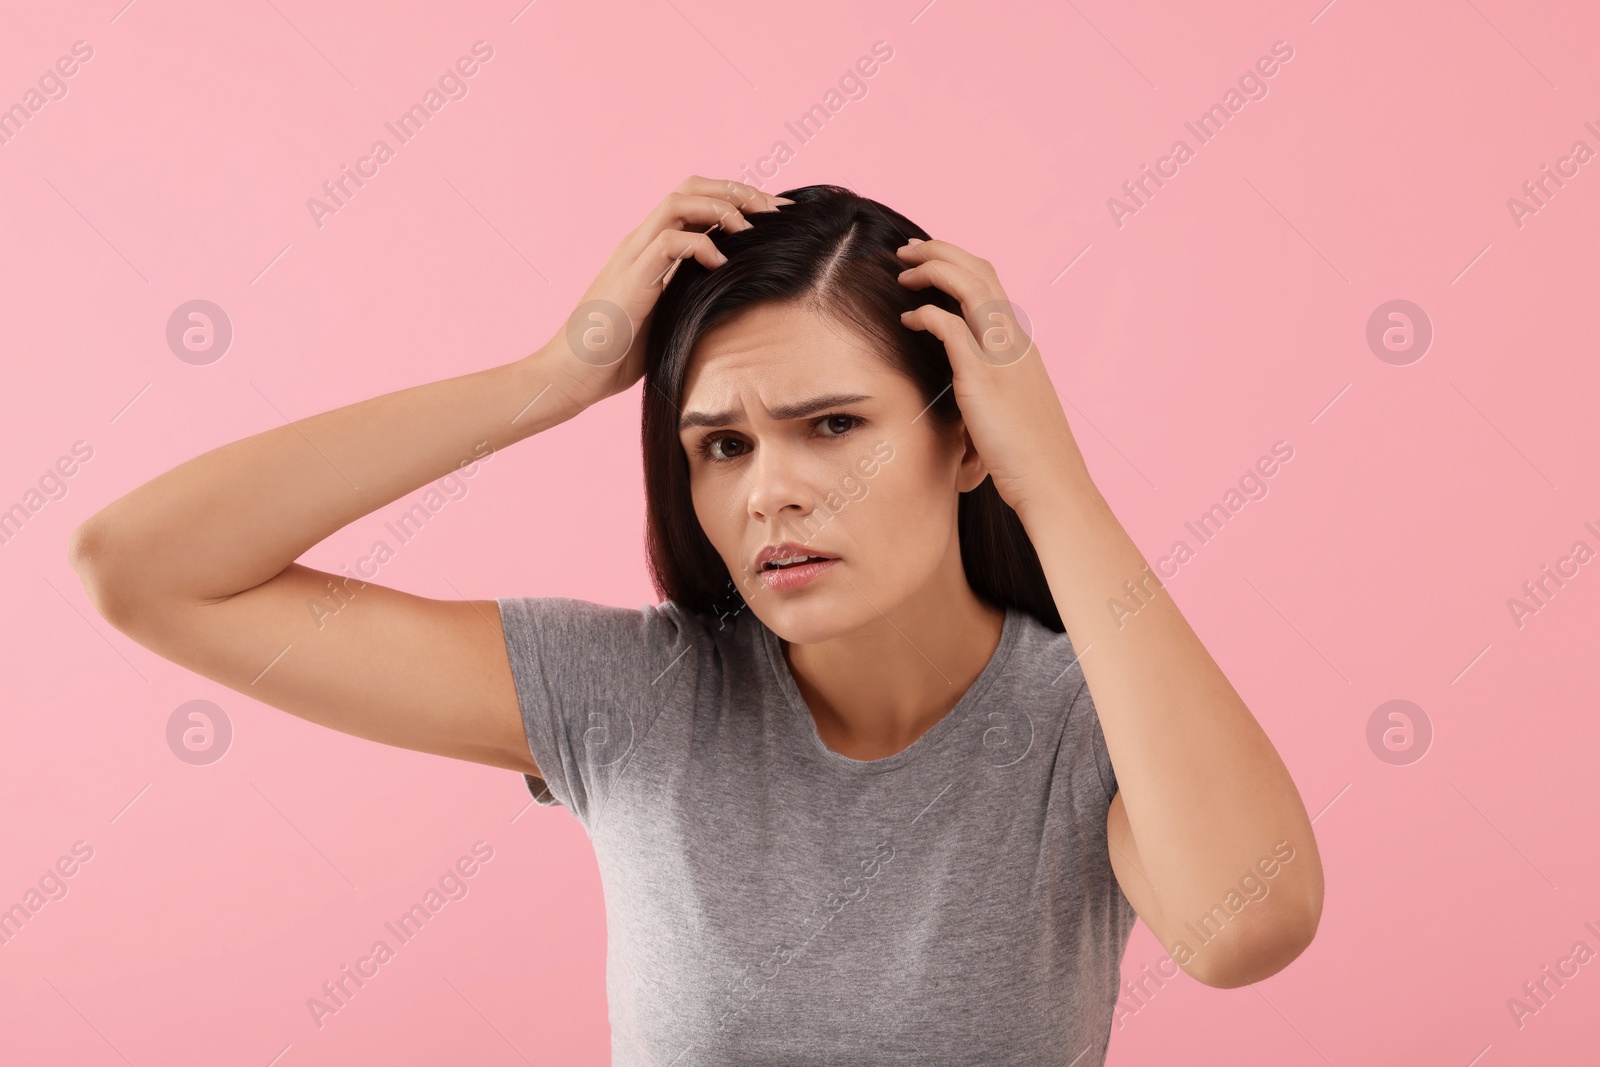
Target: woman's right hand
{"points": [[599, 350]]}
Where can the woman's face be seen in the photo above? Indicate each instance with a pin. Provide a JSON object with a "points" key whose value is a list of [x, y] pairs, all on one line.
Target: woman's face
{"points": [[795, 431]]}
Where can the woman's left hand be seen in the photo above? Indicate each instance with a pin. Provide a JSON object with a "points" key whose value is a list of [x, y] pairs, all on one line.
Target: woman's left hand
{"points": [[1007, 400]]}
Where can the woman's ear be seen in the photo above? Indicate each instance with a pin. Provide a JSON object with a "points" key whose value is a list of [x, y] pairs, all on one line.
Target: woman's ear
{"points": [[971, 473]]}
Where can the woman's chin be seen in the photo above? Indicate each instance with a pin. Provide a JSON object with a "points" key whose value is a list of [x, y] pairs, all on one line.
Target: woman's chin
{"points": [[817, 616]]}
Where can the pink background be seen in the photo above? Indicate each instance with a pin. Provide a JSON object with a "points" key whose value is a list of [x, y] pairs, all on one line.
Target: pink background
{"points": [[1228, 313]]}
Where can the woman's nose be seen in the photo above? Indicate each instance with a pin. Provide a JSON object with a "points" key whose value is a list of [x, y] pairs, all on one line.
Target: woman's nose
{"points": [[777, 485]]}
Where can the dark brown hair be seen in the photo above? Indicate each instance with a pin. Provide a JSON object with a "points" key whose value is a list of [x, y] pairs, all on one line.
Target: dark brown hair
{"points": [[832, 252]]}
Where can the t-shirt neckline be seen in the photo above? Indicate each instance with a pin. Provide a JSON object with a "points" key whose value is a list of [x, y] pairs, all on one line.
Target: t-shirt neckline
{"points": [[1010, 629]]}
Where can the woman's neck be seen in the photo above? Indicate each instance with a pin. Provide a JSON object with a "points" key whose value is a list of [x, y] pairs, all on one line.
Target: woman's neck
{"points": [[874, 691]]}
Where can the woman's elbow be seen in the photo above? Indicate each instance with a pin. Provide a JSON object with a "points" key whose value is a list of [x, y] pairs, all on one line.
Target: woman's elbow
{"points": [[1268, 949]]}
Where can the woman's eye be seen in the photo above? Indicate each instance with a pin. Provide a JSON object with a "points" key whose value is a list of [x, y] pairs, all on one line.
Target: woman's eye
{"points": [[716, 447], [713, 447]]}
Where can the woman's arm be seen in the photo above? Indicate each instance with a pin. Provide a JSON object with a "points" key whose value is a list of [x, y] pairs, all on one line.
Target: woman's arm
{"points": [[199, 564], [1208, 835], [237, 516]]}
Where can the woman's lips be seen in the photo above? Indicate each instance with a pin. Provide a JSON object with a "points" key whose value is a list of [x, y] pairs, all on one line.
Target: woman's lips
{"points": [[788, 579]]}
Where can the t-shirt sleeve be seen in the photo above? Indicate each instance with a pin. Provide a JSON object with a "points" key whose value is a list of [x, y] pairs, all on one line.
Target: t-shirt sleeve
{"points": [[590, 679], [1083, 729], [1102, 755]]}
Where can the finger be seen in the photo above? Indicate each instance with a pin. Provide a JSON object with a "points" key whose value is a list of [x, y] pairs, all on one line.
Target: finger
{"points": [[746, 198], [946, 326], [923, 251], [696, 211], [1002, 337], [991, 333], [661, 256], [702, 204], [977, 296], [969, 288], [684, 211]]}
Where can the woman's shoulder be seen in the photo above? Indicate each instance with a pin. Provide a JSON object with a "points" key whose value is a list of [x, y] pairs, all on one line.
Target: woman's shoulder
{"points": [[1040, 645], [1049, 681], [599, 627]]}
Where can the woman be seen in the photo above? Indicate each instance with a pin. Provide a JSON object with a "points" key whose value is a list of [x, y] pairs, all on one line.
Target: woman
{"points": [[853, 794]]}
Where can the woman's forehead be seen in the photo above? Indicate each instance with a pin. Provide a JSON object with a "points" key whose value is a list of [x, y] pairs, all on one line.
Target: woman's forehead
{"points": [[776, 329], [773, 363]]}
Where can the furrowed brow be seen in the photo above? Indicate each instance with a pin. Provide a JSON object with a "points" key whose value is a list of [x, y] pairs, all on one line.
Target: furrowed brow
{"points": [[783, 412]]}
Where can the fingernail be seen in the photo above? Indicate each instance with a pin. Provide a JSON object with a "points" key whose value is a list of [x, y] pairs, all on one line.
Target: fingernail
{"points": [[914, 241], [782, 200]]}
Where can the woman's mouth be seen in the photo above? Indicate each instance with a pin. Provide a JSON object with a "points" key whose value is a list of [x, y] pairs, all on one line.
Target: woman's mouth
{"points": [[794, 572]]}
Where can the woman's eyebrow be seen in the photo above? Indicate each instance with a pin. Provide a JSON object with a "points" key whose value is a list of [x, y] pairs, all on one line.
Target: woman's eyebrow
{"points": [[797, 410]]}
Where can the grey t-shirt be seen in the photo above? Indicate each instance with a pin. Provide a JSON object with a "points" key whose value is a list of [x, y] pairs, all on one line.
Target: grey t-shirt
{"points": [[771, 901]]}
